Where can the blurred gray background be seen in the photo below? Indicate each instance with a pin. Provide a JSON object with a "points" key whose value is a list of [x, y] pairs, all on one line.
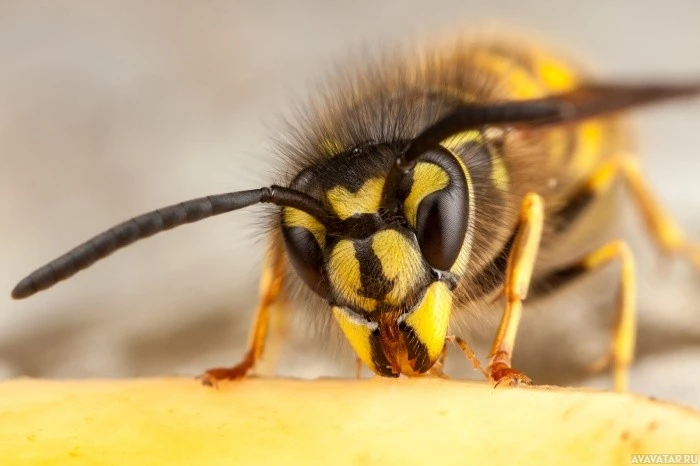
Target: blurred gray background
{"points": [[112, 108]]}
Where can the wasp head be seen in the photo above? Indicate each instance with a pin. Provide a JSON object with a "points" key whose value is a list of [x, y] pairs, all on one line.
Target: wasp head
{"points": [[386, 262], [393, 310]]}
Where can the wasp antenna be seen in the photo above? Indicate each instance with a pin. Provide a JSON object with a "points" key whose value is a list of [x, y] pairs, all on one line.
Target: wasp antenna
{"points": [[154, 222]]}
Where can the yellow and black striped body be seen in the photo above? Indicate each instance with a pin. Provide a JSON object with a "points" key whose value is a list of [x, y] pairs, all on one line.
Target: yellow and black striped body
{"points": [[373, 269], [423, 186]]}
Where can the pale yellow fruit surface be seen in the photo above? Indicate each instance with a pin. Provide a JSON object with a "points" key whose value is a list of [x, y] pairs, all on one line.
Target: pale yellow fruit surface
{"points": [[288, 422]]}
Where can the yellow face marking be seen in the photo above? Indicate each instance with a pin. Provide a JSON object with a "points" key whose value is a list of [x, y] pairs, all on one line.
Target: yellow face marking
{"points": [[430, 319], [400, 260], [344, 274], [427, 179], [365, 201], [358, 332], [297, 218]]}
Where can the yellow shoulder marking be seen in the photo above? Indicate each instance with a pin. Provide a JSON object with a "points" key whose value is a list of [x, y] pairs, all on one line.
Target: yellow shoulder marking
{"points": [[499, 172], [555, 74], [521, 83]]}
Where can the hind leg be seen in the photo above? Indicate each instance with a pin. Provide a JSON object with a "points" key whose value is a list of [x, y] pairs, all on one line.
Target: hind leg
{"points": [[663, 229], [624, 329]]}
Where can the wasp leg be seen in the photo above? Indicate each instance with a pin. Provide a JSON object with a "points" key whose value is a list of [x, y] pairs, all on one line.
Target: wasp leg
{"points": [[665, 231], [468, 353], [517, 281], [437, 369], [437, 372], [443, 354], [358, 368], [278, 329], [271, 293], [624, 329]]}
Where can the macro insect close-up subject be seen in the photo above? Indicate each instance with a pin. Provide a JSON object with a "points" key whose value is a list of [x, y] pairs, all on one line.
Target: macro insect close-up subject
{"points": [[424, 187]]}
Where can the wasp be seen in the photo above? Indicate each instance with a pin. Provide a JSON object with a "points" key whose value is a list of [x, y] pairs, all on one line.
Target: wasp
{"points": [[425, 186]]}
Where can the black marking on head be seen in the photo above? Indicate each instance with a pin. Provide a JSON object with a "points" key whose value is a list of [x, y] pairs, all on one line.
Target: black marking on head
{"points": [[404, 189], [352, 168], [375, 284], [359, 226]]}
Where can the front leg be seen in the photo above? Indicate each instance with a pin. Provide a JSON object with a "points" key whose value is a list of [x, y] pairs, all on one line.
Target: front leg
{"points": [[468, 353], [271, 285], [521, 262]]}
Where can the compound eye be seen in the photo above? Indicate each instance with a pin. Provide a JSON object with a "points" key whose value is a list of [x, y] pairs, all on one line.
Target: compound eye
{"points": [[440, 228], [304, 249], [442, 215]]}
